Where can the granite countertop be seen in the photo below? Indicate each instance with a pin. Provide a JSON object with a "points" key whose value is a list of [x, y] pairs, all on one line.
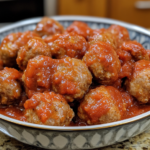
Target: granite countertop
{"points": [[140, 142]]}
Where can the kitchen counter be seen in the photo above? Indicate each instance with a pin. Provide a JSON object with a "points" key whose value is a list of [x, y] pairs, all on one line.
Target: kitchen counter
{"points": [[140, 142]]}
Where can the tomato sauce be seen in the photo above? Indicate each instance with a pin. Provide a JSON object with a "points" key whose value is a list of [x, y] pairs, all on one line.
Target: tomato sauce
{"points": [[99, 107], [140, 65], [80, 28], [42, 74], [133, 109], [13, 112]]}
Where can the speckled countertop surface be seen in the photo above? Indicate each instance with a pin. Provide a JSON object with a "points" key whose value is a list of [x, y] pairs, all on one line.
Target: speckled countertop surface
{"points": [[140, 142]]}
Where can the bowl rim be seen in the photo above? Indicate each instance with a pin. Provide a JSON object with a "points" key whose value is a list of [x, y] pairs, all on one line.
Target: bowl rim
{"points": [[79, 18], [86, 19], [76, 128]]}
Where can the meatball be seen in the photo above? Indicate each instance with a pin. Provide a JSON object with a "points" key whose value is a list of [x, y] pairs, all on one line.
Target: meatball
{"points": [[48, 109], [135, 49], [80, 28], [37, 75], [148, 52], [9, 48], [48, 26], [103, 62], [139, 84], [35, 46], [71, 45], [103, 104], [25, 37], [126, 63], [124, 56], [1, 64], [126, 70], [104, 36], [119, 32], [71, 78], [11, 45], [10, 86]]}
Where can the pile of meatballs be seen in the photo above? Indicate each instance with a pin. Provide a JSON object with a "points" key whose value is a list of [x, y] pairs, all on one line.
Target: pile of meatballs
{"points": [[77, 74]]}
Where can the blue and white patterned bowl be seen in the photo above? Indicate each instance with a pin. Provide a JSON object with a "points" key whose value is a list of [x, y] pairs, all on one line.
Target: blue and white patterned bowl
{"points": [[83, 137]]}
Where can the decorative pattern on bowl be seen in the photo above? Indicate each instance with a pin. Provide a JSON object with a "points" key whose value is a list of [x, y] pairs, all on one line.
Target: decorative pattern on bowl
{"points": [[88, 137]]}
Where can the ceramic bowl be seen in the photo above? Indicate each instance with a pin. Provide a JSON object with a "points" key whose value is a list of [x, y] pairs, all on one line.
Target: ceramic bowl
{"points": [[83, 137]]}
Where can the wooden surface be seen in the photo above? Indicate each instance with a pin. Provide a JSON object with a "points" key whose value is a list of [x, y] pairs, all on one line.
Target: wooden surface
{"points": [[123, 10], [82, 7]]}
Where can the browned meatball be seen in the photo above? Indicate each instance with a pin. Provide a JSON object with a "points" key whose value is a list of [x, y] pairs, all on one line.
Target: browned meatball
{"points": [[71, 45], [135, 49], [124, 56], [48, 109], [148, 52], [80, 28], [10, 87], [103, 104], [9, 48], [103, 62], [11, 45], [71, 78], [139, 84], [104, 36], [37, 75], [48, 26], [120, 33], [35, 46]]}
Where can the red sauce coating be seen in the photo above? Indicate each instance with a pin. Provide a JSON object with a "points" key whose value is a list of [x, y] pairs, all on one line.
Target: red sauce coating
{"points": [[64, 79], [117, 99], [60, 75], [48, 26], [34, 47], [135, 49], [119, 32], [10, 88], [48, 108], [80, 28], [9, 48], [11, 74], [37, 75], [104, 36], [141, 64], [133, 108], [99, 108], [23, 39], [52, 38], [67, 45], [13, 112], [42, 73], [103, 62], [124, 56], [44, 112], [102, 105], [65, 86], [126, 70], [105, 54], [148, 52]]}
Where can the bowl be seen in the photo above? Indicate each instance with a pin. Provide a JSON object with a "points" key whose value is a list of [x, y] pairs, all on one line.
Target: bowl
{"points": [[79, 137]]}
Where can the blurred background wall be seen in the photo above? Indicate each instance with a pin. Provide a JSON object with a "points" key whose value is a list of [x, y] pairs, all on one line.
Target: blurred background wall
{"points": [[132, 11]]}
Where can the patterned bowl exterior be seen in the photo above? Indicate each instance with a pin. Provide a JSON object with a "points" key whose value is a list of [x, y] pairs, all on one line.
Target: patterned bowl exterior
{"points": [[77, 137]]}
